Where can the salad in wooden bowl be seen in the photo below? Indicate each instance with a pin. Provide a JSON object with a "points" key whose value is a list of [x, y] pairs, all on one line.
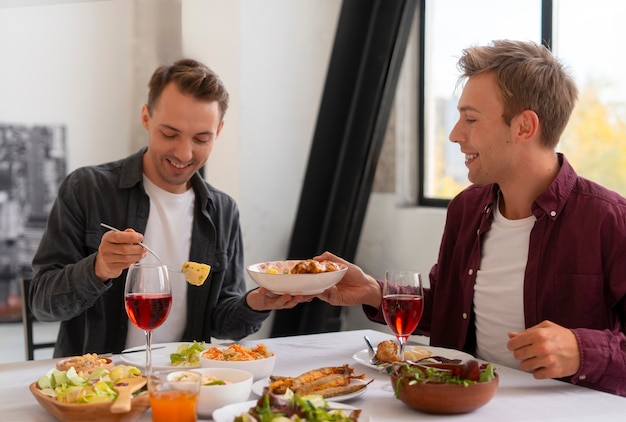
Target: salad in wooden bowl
{"points": [[444, 388], [70, 396]]}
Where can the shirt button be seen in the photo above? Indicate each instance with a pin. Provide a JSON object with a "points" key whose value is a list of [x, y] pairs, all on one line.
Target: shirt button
{"points": [[553, 213], [471, 271], [464, 315], [582, 377]]}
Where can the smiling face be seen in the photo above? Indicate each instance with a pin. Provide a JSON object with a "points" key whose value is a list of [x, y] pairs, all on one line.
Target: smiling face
{"points": [[483, 136], [181, 131]]}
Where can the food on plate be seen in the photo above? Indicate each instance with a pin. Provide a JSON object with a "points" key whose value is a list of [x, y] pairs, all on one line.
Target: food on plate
{"points": [[327, 382], [84, 364], [466, 373], [237, 352], [195, 273], [187, 354], [416, 353], [311, 266], [387, 352], [271, 408], [95, 387]]}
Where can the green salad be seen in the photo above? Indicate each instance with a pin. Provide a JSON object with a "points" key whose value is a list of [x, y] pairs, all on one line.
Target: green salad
{"points": [[69, 387], [467, 373], [293, 408], [187, 354]]}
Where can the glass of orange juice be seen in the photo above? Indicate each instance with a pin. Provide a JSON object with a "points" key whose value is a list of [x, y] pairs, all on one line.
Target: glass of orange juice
{"points": [[173, 395]]}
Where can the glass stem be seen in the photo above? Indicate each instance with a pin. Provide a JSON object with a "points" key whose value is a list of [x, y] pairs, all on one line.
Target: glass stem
{"points": [[402, 341], [148, 352]]}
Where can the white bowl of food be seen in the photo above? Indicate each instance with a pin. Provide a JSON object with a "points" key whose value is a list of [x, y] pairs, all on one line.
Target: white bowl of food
{"points": [[221, 387], [257, 360], [297, 277]]}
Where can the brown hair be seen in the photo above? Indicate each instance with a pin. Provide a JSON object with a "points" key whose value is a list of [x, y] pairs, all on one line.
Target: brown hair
{"points": [[529, 78], [192, 78]]}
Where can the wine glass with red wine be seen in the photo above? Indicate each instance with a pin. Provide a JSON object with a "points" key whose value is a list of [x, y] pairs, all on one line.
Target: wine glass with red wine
{"points": [[148, 299], [402, 304]]}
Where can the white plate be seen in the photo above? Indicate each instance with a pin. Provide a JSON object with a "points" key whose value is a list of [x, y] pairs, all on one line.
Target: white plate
{"points": [[363, 356], [160, 357], [257, 388], [230, 412]]}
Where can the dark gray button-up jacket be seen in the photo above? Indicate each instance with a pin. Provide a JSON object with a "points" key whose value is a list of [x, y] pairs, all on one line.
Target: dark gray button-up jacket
{"points": [[93, 319]]}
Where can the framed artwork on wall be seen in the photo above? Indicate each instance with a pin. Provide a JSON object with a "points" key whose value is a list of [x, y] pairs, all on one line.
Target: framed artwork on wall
{"points": [[32, 165]]}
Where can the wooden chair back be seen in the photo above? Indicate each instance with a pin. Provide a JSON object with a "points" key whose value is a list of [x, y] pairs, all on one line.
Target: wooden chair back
{"points": [[27, 320]]}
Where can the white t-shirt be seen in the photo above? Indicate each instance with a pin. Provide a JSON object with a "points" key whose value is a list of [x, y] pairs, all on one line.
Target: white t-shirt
{"points": [[168, 233], [499, 289]]}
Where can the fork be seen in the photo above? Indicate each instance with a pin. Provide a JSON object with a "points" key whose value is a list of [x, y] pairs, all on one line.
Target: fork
{"points": [[372, 352], [374, 361], [147, 248]]}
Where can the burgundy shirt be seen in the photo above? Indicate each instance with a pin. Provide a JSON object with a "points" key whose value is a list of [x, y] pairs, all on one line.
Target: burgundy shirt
{"points": [[575, 275]]}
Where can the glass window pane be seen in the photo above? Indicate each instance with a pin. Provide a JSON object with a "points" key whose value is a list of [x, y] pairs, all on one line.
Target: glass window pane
{"points": [[588, 38], [452, 25]]}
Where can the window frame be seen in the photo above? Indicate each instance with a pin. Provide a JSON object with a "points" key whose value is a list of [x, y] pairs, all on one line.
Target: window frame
{"points": [[547, 7]]}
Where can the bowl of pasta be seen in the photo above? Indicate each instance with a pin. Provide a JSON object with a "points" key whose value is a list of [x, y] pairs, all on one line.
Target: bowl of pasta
{"points": [[297, 277], [257, 360]]}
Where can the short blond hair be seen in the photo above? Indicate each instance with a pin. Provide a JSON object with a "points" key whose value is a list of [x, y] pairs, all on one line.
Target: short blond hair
{"points": [[529, 77]]}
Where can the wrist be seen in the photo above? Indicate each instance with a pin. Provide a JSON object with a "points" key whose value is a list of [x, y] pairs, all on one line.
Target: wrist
{"points": [[375, 296]]}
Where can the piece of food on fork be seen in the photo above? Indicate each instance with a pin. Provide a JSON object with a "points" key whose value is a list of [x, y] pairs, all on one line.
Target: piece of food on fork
{"points": [[195, 273]]}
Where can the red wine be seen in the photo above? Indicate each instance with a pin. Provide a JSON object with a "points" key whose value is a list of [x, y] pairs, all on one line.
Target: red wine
{"points": [[148, 310], [402, 313]]}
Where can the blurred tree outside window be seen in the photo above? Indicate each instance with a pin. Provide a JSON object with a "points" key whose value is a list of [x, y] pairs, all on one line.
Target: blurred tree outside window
{"points": [[586, 37]]}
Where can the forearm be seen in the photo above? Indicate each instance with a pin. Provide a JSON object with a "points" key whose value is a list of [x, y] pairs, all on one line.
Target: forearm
{"points": [[61, 293]]}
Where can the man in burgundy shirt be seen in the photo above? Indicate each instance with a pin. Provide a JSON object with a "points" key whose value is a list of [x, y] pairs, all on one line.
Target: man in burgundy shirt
{"points": [[531, 271]]}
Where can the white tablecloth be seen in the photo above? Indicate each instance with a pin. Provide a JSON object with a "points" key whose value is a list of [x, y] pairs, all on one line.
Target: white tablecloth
{"points": [[519, 398]]}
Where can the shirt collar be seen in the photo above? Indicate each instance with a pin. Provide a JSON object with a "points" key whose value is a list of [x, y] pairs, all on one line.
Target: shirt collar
{"points": [[553, 200]]}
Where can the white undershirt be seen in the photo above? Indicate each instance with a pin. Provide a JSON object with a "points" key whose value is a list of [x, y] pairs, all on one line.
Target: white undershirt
{"points": [[168, 233], [499, 289]]}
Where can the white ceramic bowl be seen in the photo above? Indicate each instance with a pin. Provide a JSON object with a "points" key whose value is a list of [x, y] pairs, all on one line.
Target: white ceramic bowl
{"points": [[279, 281], [237, 389], [260, 368]]}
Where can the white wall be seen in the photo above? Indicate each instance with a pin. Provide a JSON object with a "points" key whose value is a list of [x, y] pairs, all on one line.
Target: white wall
{"points": [[71, 63]]}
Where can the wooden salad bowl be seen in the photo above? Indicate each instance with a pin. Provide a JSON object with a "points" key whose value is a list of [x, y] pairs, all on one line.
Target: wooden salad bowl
{"points": [[86, 412], [441, 398]]}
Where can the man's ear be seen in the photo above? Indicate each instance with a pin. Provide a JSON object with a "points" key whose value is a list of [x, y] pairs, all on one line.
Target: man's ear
{"points": [[526, 125], [219, 129], [145, 116]]}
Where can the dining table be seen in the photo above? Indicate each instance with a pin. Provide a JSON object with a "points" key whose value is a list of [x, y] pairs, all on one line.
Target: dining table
{"points": [[520, 397]]}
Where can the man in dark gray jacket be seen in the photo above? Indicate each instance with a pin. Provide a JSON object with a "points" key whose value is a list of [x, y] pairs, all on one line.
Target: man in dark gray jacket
{"points": [[80, 267]]}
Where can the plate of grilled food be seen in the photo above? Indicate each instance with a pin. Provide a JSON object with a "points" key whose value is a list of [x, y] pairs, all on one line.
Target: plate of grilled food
{"points": [[336, 383], [387, 353]]}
